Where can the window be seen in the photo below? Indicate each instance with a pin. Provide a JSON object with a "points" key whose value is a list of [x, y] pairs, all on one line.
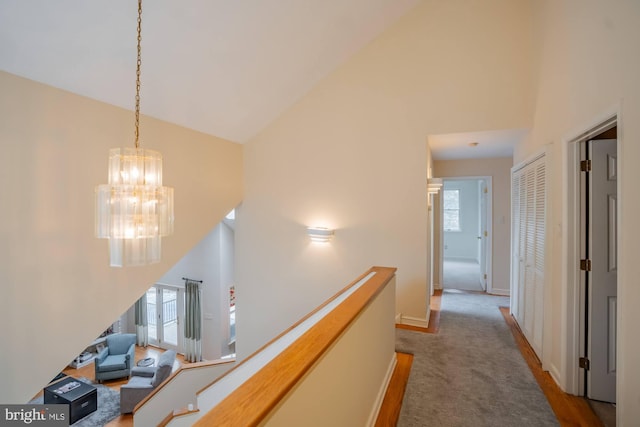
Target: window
{"points": [[451, 204]]}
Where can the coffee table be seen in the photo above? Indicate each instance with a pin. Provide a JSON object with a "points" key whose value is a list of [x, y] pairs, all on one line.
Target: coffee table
{"points": [[81, 397], [149, 361]]}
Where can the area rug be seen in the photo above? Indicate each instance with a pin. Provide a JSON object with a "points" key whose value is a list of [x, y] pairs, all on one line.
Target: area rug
{"points": [[471, 373], [108, 406]]}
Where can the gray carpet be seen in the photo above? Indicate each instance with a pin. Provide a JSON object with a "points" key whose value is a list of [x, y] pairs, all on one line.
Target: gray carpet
{"points": [[461, 274], [471, 373], [108, 406]]}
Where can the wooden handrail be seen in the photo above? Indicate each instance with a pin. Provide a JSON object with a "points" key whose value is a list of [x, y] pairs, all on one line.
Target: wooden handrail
{"points": [[182, 368], [257, 397]]}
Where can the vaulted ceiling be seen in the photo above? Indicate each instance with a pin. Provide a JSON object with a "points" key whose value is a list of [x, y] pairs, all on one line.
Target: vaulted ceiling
{"points": [[225, 68]]}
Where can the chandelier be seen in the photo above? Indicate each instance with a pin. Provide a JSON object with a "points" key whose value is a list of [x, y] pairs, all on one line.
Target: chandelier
{"points": [[134, 210]]}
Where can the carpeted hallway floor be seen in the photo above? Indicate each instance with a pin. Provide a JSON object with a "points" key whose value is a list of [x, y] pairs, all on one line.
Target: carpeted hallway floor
{"points": [[471, 373], [461, 274]]}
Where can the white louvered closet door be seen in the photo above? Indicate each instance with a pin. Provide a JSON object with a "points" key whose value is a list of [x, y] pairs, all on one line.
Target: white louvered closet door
{"points": [[539, 220], [515, 234], [528, 243]]}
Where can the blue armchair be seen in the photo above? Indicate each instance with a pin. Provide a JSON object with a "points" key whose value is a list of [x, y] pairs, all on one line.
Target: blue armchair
{"points": [[116, 359]]}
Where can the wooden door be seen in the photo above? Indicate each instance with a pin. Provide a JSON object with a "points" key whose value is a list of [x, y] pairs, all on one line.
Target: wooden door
{"points": [[602, 279]]}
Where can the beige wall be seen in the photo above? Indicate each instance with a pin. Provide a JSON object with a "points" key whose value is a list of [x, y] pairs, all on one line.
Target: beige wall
{"points": [[500, 171], [352, 155], [339, 390], [59, 291], [589, 66]]}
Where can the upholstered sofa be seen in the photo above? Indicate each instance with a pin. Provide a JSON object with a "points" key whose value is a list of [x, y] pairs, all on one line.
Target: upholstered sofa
{"points": [[144, 380], [116, 359]]}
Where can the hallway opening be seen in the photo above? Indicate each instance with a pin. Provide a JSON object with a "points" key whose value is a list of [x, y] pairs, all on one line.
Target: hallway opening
{"points": [[465, 227]]}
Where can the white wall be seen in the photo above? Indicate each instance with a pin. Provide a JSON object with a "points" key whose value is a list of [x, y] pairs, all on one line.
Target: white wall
{"points": [[500, 171], [464, 243], [212, 261], [59, 291], [352, 155], [589, 66]]}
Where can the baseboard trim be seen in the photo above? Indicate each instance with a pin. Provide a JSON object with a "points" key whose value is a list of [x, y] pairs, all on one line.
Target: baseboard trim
{"points": [[555, 375], [415, 321], [373, 417]]}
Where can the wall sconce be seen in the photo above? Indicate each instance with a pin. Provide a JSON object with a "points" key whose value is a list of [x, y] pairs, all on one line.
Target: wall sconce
{"points": [[320, 234], [434, 185]]}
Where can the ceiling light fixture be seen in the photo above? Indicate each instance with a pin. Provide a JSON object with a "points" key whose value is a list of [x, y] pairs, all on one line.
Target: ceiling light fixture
{"points": [[474, 144], [134, 210]]}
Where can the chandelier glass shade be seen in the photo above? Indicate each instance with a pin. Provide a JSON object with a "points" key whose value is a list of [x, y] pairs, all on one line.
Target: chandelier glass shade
{"points": [[134, 210]]}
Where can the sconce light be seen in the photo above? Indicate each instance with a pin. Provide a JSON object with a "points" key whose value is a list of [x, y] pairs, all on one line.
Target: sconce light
{"points": [[320, 234], [434, 185]]}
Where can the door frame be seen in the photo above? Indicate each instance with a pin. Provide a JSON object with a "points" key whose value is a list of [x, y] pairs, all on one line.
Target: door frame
{"points": [[573, 381], [489, 217], [178, 347]]}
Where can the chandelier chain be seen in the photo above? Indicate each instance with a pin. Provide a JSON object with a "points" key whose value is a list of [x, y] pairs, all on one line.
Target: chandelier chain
{"points": [[138, 64]]}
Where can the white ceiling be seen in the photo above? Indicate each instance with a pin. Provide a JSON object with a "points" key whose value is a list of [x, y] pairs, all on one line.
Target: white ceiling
{"points": [[222, 67], [455, 146]]}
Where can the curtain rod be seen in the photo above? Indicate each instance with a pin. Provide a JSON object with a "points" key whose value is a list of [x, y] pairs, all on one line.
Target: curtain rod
{"points": [[186, 278]]}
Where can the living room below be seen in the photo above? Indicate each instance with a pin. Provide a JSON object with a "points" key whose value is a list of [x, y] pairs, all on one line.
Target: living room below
{"points": [[108, 399]]}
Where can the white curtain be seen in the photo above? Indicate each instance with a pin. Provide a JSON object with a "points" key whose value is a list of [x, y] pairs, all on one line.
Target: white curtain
{"points": [[193, 322], [142, 329]]}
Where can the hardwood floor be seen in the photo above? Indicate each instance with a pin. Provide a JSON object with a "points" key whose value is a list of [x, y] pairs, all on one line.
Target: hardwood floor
{"points": [[570, 410], [392, 402], [89, 373]]}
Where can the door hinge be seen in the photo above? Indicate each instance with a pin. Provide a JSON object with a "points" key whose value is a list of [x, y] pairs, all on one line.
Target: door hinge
{"points": [[585, 264], [585, 166], [485, 277], [486, 190], [583, 362], [486, 234]]}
